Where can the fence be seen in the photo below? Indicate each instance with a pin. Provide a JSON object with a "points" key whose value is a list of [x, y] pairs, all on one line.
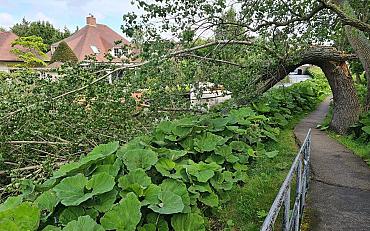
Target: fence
{"points": [[300, 171]]}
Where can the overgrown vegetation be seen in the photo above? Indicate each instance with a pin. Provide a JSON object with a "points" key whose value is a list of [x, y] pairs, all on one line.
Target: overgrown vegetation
{"points": [[172, 178], [358, 138]]}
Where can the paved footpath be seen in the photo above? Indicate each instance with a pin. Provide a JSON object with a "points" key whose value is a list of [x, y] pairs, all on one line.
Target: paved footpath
{"points": [[339, 194]]}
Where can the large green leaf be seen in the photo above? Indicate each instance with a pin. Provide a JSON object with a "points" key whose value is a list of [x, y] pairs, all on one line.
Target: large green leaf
{"points": [[170, 203], [165, 166], [103, 202], [187, 222], [136, 181], [71, 190], [11, 202], [179, 188], [83, 223], [171, 154], [25, 216], [98, 153], [208, 142], [139, 158], [151, 195], [202, 171], [47, 201], [71, 214], [210, 199], [124, 216]]}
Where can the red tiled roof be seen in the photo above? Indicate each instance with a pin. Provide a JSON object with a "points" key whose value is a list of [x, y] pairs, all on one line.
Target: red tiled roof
{"points": [[98, 35], [6, 39]]}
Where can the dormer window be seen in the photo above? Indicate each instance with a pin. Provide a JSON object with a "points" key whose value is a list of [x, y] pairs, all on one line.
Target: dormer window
{"points": [[95, 49]]}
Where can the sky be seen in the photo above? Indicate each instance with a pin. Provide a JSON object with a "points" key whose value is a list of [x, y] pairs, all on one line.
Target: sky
{"points": [[60, 13]]}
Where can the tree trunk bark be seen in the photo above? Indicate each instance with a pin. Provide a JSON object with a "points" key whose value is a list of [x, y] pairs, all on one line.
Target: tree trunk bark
{"points": [[346, 109]]}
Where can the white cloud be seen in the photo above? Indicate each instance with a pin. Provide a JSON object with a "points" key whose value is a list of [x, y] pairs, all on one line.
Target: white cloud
{"points": [[6, 19]]}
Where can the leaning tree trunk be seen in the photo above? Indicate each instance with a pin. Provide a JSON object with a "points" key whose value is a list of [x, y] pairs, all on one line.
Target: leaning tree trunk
{"points": [[360, 44], [346, 108], [333, 63]]}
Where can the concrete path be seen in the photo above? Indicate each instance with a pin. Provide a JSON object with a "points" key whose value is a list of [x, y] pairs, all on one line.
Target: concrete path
{"points": [[339, 195]]}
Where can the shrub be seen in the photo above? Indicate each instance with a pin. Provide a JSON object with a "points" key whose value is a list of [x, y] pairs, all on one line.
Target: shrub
{"points": [[64, 53]]}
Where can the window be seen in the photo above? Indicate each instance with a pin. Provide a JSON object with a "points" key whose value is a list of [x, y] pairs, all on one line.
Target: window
{"points": [[95, 49], [119, 51]]}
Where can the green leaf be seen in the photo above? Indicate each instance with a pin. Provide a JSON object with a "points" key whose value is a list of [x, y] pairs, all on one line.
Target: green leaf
{"points": [[164, 166], [124, 216], [70, 214], [98, 153], [25, 216], [202, 171], [187, 222], [136, 181], [366, 129], [47, 201], [239, 146], [151, 195], [139, 158], [170, 203], [11, 202], [208, 142], [83, 223], [105, 201], [71, 190], [210, 199], [51, 228], [171, 154], [272, 154], [179, 188]]}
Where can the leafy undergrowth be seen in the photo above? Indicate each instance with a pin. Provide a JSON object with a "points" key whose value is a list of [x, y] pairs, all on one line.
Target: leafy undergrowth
{"points": [[175, 178]]}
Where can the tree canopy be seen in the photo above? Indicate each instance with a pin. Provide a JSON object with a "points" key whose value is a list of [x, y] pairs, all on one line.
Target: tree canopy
{"points": [[30, 50], [42, 29]]}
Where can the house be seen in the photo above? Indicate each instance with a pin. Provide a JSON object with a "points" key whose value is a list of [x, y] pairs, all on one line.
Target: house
{"points": [[7, 59], [97, 40]]}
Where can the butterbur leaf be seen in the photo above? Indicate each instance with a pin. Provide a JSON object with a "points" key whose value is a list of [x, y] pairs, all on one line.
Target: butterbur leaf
{"points": [[202, 171], [47, 201], [98, 153], [51, 228], [11, 202], [224, 150], [105, 201], [210, 199], [164, 166], [139, 158], [71, 190], [208, 142], [124, 216], [100, 183], [171, 154], [170, 203], [70, 214], [83, 223], [179, 188], [239, 146], [187, 222], [25, 216], [134, 180], [151, 195], [272, 154]]}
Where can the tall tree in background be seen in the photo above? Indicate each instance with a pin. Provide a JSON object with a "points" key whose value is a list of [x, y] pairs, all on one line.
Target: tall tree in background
{"points": [[30, 50], [42, 29]]}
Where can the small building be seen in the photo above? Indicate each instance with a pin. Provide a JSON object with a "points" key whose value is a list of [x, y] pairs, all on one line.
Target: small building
{"points": [[7, 58], [96, 40]]}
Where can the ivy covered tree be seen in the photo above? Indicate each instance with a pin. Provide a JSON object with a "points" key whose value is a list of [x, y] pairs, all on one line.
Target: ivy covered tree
{"points": [[30, 50], [64, 53]]}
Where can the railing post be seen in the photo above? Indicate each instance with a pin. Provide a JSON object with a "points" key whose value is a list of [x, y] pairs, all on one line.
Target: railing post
{"points": [[286, 210], [300, 168]]}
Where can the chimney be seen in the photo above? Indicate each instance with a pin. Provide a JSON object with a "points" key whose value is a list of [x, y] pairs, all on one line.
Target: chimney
{"points": [[90, 20]]}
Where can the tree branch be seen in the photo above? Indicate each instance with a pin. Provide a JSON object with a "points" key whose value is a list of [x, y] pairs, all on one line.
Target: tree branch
{"points": [[347, 20]]}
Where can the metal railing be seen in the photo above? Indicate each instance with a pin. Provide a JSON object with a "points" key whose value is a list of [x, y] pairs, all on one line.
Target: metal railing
{"points": [[300, 171]]}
